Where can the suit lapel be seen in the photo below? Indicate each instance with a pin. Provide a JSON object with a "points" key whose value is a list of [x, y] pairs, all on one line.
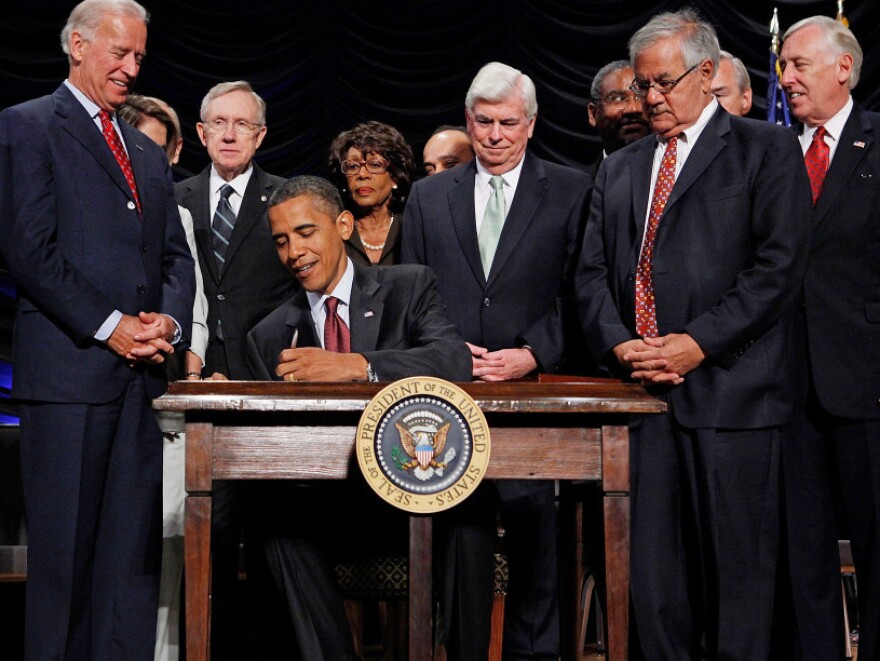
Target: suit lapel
{"points": [[530, 193], [703, 152], [198, 200], [82, 128], [847, 156], [253, 206], [299, 317], [642, 163], [461, 208], [365, 310]]}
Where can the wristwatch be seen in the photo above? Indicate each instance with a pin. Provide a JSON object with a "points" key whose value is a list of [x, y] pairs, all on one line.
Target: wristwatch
{"points": [[371, 374]]}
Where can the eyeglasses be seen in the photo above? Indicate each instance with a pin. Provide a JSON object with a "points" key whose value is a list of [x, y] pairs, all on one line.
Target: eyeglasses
{"points": [[220, 125], [373, 166], [641, 87], [621, 99]]}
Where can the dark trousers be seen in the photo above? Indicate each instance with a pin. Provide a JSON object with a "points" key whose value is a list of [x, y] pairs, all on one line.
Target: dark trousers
{"points": [[705, 539], [531, 606], [816, 612], [92, 481]]}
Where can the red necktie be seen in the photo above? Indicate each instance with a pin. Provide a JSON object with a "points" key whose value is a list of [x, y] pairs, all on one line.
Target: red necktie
{"points": [[337, 337], [816, 160], [646, 312], [115, 144]]}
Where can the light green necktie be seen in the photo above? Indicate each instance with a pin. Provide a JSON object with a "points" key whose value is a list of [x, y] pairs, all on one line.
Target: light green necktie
{"points": [[493, 222]]}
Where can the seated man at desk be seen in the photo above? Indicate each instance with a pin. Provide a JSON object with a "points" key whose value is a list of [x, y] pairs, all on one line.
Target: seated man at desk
{"points": [[347, 323]]}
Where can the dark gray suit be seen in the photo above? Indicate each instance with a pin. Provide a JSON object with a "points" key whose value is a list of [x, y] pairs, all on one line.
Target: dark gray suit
{"points": [[398, 323], [526, 300], [728, 260]]}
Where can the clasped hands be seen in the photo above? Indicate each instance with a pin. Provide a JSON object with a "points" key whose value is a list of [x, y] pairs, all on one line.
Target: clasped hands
{"points": [[660, 360], [501, 365], [143, 339]]}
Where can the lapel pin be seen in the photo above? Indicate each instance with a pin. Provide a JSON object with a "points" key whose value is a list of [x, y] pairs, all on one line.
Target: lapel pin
{"points": [[859, 143], [866, 176], [263, 198], [139, 147], [368, 314]]}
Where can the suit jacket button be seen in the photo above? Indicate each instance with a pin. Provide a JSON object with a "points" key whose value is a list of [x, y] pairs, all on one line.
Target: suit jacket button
{"points": [[142, 289], [221, 297], [131, 206], [486, 302]]}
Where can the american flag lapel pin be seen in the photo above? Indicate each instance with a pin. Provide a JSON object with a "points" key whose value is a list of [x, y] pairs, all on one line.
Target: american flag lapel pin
{"points": [[859, 143], [368, 314]]}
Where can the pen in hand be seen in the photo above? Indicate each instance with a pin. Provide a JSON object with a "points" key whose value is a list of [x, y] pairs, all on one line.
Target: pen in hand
{"points": [[295, 338]]}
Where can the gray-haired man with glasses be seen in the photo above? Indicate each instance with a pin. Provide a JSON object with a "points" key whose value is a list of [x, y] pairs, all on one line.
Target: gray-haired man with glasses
{"points": [[691, 262], [243, 278]]}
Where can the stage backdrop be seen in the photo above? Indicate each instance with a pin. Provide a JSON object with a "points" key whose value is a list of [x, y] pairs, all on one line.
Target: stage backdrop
{"points": [[323, 66]]}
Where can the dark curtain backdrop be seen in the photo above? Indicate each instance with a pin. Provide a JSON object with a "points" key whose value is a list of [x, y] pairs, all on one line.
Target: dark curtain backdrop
{"points": [[324, 66]]}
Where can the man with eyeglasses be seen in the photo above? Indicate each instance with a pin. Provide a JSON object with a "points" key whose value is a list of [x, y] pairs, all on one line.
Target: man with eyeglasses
{"points": [[243, 282], [501, 233], [691, 263], [615, 111]]}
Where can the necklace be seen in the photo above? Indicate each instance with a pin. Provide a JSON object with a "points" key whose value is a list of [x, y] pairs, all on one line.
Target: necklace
{"points": [[381, 246]]}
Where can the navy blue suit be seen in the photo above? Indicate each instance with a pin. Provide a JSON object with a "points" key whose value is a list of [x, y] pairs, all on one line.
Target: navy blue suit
{"points": [[91, 450], [729, 256]]}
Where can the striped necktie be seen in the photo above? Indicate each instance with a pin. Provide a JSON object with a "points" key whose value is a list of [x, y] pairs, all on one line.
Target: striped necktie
{"points": [[222, 225]]}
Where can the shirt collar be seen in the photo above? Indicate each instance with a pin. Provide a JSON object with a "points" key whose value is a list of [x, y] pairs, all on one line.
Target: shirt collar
{"points": [[691, 133], [511, 177], [342, 290], [91, 107], [239, 183], [834, 126]]}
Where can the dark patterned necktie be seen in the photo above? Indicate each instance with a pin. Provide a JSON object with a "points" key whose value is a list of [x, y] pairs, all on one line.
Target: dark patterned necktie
{"points": [[337, 337], [222, 225], [646, 310], [115, 144], [816, 160]]}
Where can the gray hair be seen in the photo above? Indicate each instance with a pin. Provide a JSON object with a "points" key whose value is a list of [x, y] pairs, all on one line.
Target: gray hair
{"points": [[495, 82], [839, 38], [602, 74], [87, 16], [221, 89], [740, 73], [322, 193], [697, 38]]}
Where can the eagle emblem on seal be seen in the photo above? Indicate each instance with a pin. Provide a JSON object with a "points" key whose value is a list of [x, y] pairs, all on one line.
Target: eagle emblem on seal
{"points": [[423, 439]]}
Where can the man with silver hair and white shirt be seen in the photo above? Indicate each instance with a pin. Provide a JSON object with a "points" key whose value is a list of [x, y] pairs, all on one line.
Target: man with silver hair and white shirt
{"points": [[691, 263], [836, 440], [501, 233]]}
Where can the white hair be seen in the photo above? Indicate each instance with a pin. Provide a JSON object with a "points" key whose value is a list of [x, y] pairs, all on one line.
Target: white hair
{"points": [[87, 16], [495, 82], [222, 89], [839, 38]]}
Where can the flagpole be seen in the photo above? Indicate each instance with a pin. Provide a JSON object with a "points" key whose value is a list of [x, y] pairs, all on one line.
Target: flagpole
{"points": [[777, 104]]}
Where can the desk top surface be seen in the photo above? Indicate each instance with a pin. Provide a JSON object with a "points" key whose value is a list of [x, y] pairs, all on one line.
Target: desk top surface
{"points": [[506, 397]]}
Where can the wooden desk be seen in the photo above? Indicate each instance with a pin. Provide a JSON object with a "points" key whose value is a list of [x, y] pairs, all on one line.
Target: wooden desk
{"points": [[239, 430]]}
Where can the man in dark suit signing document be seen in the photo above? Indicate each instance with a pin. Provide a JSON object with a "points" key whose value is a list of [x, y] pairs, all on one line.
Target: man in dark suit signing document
{"points": [[347, 323]]}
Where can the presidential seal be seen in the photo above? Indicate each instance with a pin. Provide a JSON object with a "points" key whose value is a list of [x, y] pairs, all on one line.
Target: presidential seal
{"points": [[423, 444]]}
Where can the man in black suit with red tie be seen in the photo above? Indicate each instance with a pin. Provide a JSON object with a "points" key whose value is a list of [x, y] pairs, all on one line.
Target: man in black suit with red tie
{"points": [[347, 323], [690, 291], [502, 234], [92, 236], [839, 426]]}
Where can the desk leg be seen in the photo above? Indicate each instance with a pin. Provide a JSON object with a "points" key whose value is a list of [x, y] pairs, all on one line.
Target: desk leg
{"points": [[197, 543], [615, 484], [420, 572]]}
